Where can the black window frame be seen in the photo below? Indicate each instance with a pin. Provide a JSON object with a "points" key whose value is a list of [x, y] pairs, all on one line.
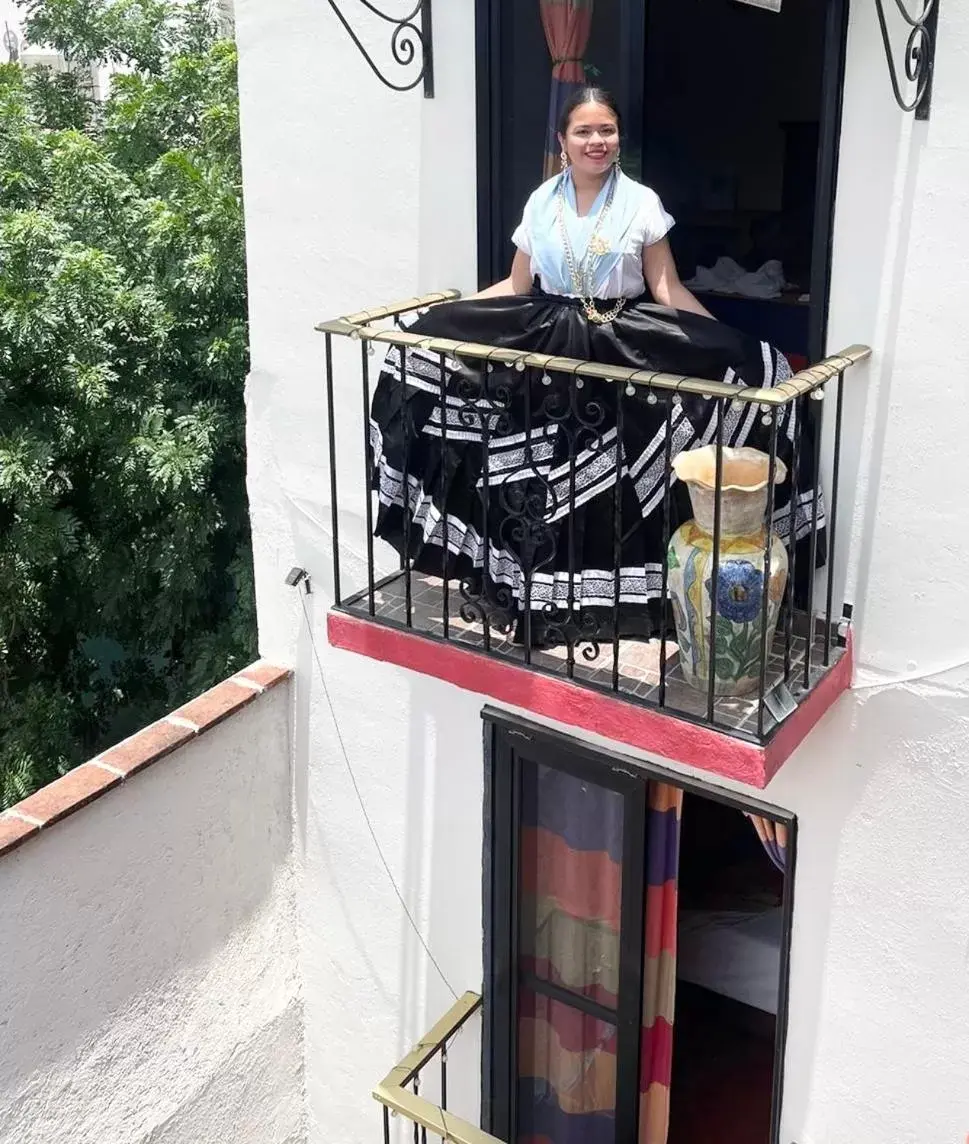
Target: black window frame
{"points": [[510, 741]]}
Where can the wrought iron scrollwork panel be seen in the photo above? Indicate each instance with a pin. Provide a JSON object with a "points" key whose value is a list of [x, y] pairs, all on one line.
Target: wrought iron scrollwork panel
{"points": [[919, 53], [411, 44], [581, 420], [485, 410]]}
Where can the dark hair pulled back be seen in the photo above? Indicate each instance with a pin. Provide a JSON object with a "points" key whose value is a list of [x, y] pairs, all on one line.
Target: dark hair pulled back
{"points": [[586, 95]]}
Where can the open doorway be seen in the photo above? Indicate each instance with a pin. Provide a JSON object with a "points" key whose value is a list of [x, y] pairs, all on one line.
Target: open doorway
{"points": [[731, 139], [729, 942], [731, 112]]}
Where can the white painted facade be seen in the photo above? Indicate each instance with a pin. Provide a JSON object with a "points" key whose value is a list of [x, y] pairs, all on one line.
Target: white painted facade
{"points": [[356, 195], [150, 973]]}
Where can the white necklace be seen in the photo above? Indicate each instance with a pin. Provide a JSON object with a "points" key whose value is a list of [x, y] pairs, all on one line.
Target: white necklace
{"points": [[583, 273]]}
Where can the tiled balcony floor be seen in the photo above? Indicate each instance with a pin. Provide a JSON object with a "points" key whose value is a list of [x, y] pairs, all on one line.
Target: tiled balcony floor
{"points": [[638, 659]]}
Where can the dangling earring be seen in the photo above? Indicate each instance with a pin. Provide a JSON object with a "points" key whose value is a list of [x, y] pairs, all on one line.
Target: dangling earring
{"points": [[564, 158], [617, 162]]}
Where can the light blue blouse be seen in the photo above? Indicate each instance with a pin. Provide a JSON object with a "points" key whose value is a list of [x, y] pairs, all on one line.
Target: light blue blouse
{"points": [[635, 220]]}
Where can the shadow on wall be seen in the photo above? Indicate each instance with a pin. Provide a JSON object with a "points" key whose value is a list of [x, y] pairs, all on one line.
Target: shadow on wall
{"points": [[444, 852], [822, 819], [414, 746]]}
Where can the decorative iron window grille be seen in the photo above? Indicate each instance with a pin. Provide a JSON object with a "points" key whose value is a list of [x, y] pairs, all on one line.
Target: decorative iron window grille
{"points": [[411, 44], [919, 53]]}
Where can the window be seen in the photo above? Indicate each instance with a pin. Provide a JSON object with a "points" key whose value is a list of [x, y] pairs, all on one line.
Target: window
{"points": [[635, 977]]}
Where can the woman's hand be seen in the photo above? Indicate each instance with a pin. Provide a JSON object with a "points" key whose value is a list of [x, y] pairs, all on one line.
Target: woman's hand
{"points": [[659, 270]]}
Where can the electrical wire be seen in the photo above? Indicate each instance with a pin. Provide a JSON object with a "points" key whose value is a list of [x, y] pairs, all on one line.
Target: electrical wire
{"points": [[363, 806], [913, 677]]}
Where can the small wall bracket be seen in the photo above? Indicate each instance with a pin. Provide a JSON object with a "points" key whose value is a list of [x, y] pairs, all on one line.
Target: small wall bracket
{"points": [[297, 576], [919, 58], [410, 44]]}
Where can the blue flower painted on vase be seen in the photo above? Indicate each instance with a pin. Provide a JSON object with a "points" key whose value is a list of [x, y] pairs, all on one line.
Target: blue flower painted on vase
{"points": [[740, 587]]}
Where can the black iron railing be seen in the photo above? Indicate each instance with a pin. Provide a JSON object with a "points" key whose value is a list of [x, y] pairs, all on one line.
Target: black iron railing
{"points": [[744, 666]]}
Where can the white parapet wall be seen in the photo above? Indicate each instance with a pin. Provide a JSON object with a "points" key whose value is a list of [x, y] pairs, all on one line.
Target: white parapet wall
{"points": [[148, 951]]}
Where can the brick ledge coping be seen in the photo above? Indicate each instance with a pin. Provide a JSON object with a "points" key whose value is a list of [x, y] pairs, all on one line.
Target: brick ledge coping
{"points": [[114, 766]]}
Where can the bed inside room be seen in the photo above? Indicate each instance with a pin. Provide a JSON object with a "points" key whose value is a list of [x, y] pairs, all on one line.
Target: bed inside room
{"points": [[730, 932]]}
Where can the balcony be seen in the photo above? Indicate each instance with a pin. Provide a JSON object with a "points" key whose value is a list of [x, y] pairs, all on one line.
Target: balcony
{"points": [[399, 1091], [522, 627]]}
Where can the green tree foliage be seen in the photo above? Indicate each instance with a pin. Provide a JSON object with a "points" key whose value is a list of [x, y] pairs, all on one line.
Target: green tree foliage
{"points": [[125, 563]]}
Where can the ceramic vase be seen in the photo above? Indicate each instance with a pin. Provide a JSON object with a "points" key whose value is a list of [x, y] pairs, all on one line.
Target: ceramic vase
{"points": [[740, 582]]}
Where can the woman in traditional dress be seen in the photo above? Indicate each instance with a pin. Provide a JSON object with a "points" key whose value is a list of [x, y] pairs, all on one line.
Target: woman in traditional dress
{"points": [[517, 481]]}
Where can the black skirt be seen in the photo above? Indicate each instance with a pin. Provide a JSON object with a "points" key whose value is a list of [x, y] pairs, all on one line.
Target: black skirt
{"points": [[524, 465]]}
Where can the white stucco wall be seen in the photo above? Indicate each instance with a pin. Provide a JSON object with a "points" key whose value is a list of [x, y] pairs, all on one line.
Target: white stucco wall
{"points": [[356, 195], [901, 286], [148, 953]]}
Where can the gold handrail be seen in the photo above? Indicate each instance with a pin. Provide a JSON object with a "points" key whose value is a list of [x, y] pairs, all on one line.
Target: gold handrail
{"points": [[804, 382], [392, 1092]]}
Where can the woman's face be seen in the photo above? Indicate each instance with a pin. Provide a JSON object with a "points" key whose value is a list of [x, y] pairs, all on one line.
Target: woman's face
{"points": [[592, 139]]}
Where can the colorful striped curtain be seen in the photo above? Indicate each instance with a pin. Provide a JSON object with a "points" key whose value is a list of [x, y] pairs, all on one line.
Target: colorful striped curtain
{"points": [[773, 837], [659, 985], [571, 887], [567, 25]]}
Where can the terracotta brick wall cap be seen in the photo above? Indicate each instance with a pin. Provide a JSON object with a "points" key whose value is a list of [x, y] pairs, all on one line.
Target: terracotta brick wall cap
{"points": [[114, 766], [14, 830]]}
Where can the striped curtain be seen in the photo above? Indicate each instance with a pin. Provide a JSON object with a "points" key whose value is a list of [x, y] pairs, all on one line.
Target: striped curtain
{"points": [[659, 983], [773, 837], [567, 24], [571, 875]]}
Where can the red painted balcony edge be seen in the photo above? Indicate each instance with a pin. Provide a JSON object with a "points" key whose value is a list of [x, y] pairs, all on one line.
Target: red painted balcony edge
{"points": [[628, 723], [794, 730]]}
